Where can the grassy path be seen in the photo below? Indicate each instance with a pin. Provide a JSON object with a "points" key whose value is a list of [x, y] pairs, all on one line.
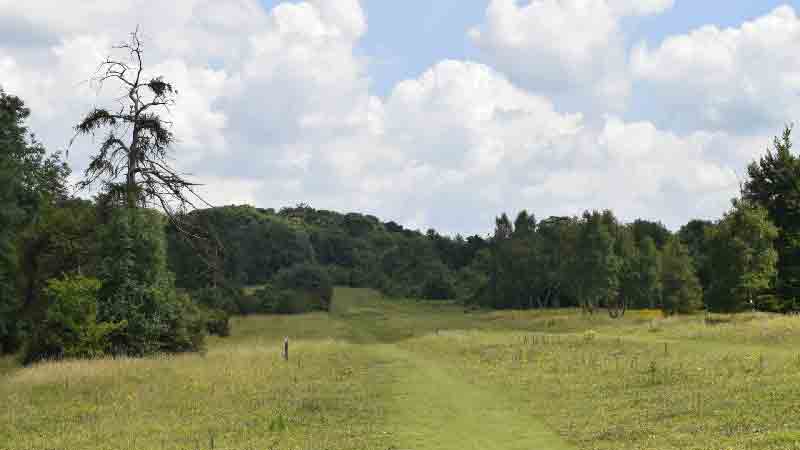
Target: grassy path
{"points": [[430, 406]]}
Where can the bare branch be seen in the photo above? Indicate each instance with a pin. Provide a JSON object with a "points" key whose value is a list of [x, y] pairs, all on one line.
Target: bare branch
{"points": [[142, 160]]}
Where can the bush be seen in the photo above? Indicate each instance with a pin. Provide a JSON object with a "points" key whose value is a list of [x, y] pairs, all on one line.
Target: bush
{"points": [[70, 328], [273, 300], [218, 323], [230, 299], [183, 327], [439, 285], [310, 284], [340, 276], [248, 304]]}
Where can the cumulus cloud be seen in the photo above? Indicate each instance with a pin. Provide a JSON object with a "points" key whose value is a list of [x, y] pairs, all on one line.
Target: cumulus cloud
{"points": [[563, 47], [630, 166], [739, 79]]}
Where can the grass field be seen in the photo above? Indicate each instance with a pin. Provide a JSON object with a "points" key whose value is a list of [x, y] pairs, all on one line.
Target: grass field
{"points": [[393, 374]]}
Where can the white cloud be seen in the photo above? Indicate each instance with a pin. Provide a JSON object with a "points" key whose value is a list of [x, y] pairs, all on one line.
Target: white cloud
{"points": [[563, 46], [640, 171], [737, 79]]}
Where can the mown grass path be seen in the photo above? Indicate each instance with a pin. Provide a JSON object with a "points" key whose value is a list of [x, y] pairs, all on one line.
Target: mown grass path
{"points": [[429, 405], [432, 408]]}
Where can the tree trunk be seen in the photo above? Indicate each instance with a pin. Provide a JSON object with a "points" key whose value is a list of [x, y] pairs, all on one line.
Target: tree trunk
{"points": [[130, 180]]}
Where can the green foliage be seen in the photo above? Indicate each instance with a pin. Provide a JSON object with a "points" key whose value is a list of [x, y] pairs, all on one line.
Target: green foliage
{"points": [[695, 235], [310, 285], [556, 244], [773, 185], [29, 180], [61, 242], [246, 246], [272, 300], [471, 280], [243, 246], [217, 322], [681, 289], [229, 299], [439, 284], [643, 229], [743, 260], [596, 266], [70, 327], [641, 278], [138, 289]]}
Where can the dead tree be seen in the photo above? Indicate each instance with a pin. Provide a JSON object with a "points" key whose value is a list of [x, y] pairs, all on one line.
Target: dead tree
{"points": [[132, 162]]}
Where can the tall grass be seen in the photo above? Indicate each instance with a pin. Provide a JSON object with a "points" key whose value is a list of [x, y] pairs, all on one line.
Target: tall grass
{"points": [[629, 392], [238, 395]]}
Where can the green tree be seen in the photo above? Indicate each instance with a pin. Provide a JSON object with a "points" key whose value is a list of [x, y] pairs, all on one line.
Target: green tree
{"points": [[597, 266], [138, 289], [501, 288], [61, 242], [648, 267], [774, 184], [681, 292], [695, 235], [556, 247], [12, 145], [29, 179], [743, 260], [640, 282], [656, 231]]}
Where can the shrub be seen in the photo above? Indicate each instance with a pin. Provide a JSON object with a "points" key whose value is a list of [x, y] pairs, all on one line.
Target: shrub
{"points": [[310, 285], [340, 276], [70, 328], [224, 298], [273, 300], [217, 322], [439, 286], [247, 304], [182, 329], [215, 309]]}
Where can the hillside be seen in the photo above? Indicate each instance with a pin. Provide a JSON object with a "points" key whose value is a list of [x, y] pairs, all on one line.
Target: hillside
{"points": [[248, 246]]}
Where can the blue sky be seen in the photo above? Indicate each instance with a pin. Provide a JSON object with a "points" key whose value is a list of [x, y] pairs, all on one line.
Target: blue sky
{"points": [[440, 113]]}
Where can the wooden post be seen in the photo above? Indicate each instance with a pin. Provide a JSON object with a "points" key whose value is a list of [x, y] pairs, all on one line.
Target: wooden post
{"points": [[286, 348]]}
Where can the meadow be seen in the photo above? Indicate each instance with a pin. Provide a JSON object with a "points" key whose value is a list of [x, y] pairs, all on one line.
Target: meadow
{"points": [[401, 374]]}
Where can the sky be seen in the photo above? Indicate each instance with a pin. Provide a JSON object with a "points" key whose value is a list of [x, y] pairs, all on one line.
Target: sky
{"points": [[440, 113]]}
